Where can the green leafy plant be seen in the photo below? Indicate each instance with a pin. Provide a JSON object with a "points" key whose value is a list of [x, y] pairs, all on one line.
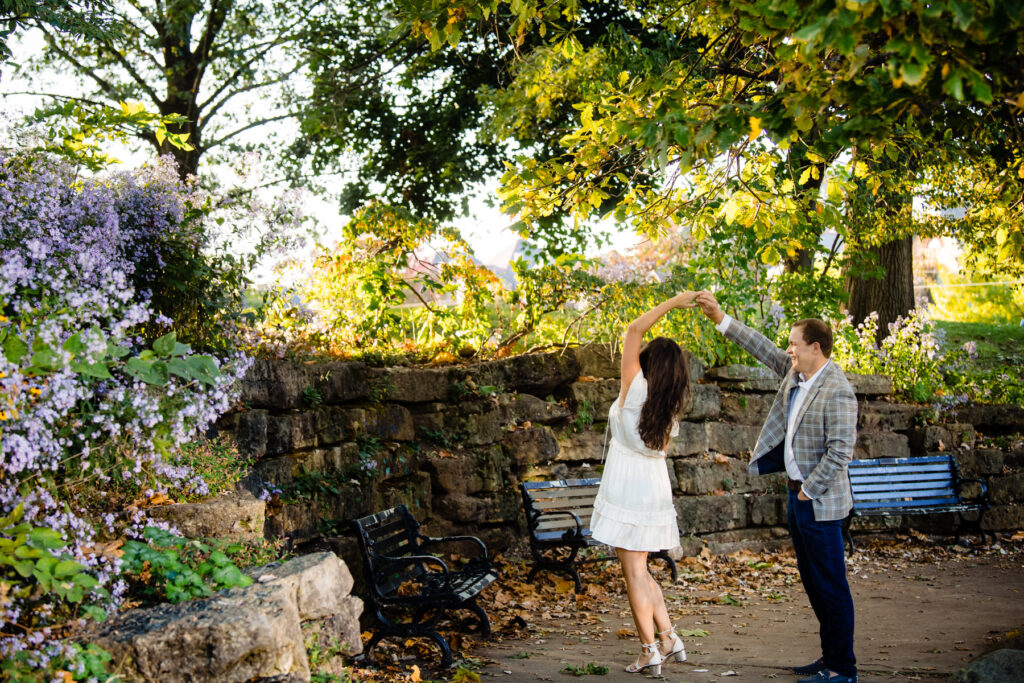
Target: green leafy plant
{"points": [[584, 417], [217, 462], [590, 669], [32, 565], [176, 569], [311, 397], [320, 655]]}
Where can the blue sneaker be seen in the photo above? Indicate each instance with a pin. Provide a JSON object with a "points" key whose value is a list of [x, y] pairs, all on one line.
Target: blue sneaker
{"points": [[826, 676], [810, 669]]}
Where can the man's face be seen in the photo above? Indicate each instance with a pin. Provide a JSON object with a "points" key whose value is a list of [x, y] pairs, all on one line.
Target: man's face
{"points": [[802, 355]]}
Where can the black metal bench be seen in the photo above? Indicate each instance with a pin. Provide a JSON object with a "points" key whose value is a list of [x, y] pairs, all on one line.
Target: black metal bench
{"points": [[912, 486], [411, 589], [558, 517]]}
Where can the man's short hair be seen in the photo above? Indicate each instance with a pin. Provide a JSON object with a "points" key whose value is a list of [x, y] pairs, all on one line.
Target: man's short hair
{"points": [[815, 330]]}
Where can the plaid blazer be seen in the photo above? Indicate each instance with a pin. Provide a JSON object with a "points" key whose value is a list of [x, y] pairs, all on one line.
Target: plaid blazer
{"points": [[825, 427]]}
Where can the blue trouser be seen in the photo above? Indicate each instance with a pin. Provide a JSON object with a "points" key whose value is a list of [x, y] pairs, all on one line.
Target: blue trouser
{"points": [[819, 557]]}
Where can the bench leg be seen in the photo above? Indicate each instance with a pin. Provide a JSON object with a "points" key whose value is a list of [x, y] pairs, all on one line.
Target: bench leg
{"points": [[419, 627], [847, 534], [374, 639], [483, 624], [670, 564], [553, 562], [575, 578], [974, 524], [446, 652]]}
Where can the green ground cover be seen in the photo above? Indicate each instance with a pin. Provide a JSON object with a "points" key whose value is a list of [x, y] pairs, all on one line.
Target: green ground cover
{"points": [[997, 344]]}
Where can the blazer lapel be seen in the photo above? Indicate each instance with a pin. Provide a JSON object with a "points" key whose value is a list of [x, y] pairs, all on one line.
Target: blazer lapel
{"points": [[825, 377]]}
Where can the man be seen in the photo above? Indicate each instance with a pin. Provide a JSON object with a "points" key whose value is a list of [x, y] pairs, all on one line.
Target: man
{"points": [[809, 434]]}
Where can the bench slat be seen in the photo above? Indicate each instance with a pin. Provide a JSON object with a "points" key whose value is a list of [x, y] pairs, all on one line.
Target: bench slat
{"points": [[557, 535], [559, 483], [905, 485], [923, 510], [395, 546], [891, 462], [563, 523], [906, 503], [563, 494], [380, 531], [897, 495], [892, 482], [567, 503], [886, 469]]}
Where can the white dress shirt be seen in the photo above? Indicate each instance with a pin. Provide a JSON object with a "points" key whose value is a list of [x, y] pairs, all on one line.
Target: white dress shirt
{"points": [[796, 400]]}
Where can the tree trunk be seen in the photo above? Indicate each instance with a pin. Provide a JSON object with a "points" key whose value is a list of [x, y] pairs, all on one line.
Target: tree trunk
{"points": [[892, 295]]}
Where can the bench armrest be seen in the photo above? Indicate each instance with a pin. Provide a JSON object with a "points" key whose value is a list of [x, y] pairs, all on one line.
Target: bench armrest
{"points": [[430, 540], [548, 513], [984, 488]]}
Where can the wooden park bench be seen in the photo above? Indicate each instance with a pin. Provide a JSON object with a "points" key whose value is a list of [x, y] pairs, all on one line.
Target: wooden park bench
{"points": [[558, 517], [411, 589], [912, 486]]}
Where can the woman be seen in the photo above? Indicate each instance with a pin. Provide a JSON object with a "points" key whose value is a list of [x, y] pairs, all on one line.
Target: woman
{"points": [[633, 511]]}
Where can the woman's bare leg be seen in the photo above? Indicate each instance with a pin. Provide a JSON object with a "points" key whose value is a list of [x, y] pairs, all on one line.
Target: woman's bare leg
{"points": [[662, 622], [641, 600]]}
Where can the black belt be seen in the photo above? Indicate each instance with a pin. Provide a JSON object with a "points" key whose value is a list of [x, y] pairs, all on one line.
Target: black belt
{"points": [[793, 484]]}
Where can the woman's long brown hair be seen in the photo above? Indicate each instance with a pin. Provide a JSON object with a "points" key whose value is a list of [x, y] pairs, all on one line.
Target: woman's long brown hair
{"points": [[668, 388]]}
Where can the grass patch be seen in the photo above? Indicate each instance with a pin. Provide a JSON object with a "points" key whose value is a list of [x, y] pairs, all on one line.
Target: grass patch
{"points": [[996, 343]]}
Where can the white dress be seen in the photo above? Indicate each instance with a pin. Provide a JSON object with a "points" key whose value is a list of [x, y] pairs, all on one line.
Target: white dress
{"points": [[633, 508]]}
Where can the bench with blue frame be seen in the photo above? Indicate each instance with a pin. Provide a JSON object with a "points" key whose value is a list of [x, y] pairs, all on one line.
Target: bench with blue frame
{"points": [[558, 518], [913, 486]]}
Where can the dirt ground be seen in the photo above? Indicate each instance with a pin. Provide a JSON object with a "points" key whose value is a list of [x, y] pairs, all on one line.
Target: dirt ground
{"points": [[924, 607], [920, 615]]}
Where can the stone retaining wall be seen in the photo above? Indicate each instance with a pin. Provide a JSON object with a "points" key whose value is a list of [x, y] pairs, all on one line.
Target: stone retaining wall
{"points": [[342, 440]]}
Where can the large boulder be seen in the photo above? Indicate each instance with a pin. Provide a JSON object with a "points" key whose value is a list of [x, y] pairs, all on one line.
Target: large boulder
{"points": [[320, 585], [704, 514], [532, 373], [881, 445], [942, 437], [284, 384], [732, 439], [705, 402], [243, 634], [410, 385], [598, 360], [885, 416], [742, 373], [993, 418], [1001, 666], [701, 475], [530, 446], [578, 446], [595, 396], [747, 409], [235, 636], [236, 515], [692, 439], [870, 385], [529, 408]]}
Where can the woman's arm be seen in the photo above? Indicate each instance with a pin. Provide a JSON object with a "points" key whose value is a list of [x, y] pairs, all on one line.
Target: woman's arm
{"points": [[635, 332]]}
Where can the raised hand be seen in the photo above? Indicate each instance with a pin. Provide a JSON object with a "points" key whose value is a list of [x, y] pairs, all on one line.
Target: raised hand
{"points": [[709, 306], [687, 299]]}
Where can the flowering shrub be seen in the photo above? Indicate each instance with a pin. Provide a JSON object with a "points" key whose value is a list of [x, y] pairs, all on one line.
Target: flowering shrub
{"points": [[913, 355], [89, 411]]}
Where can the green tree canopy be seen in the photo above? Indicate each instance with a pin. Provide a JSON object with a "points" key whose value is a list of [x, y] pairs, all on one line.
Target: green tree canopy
{"points": [[784, 118]]}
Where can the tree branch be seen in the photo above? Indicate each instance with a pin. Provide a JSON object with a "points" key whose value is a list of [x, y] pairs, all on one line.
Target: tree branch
{"points": [[253, 124]]}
